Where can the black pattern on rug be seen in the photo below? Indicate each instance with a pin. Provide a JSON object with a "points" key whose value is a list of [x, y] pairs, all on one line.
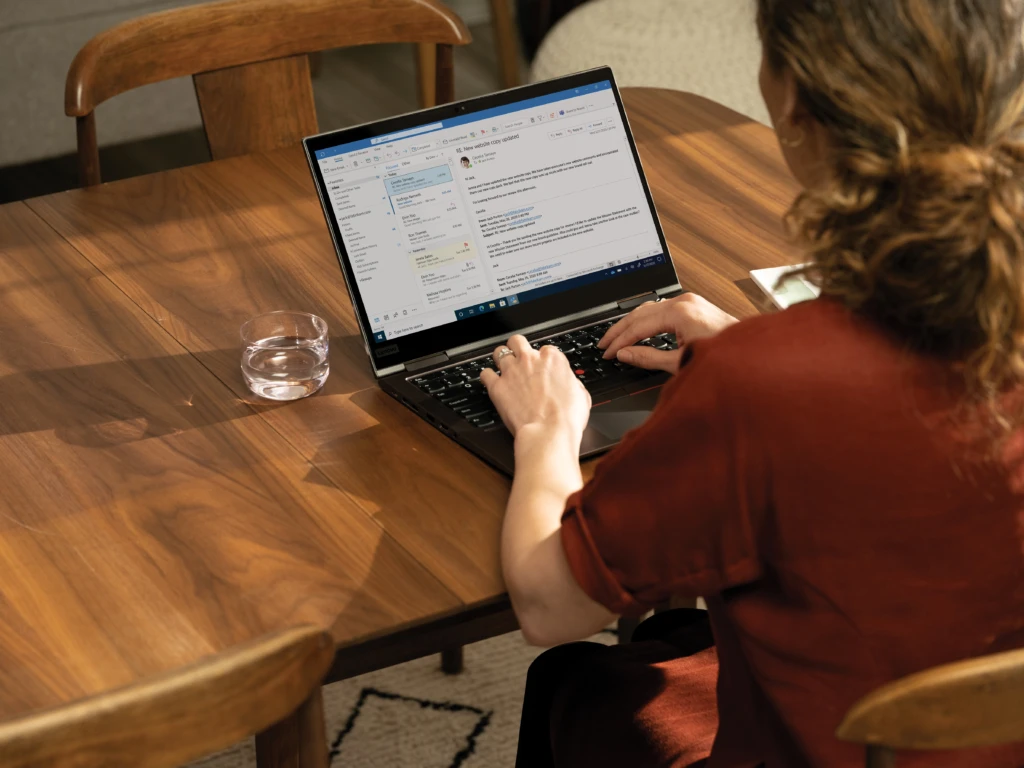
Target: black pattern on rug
{"points": [[437, 706]]}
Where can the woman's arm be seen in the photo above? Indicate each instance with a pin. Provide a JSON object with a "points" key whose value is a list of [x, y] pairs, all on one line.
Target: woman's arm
{"points": [[548, 602], [547, 408]]}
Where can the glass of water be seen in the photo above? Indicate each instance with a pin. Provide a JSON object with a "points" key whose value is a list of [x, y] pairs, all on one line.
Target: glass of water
{"points": [[284, 354]]}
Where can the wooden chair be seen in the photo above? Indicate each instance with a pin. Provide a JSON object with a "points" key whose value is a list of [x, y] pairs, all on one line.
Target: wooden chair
{"points": [[249, 62], [270, 687], [974, 703], [505, 41]]}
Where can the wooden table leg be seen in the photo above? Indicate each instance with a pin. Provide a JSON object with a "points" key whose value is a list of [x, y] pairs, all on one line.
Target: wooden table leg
{"points": [[298, 741], [451, 660]]}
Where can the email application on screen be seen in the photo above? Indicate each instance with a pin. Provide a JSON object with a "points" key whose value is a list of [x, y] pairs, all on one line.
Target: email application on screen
{"points": [[496, 208]]}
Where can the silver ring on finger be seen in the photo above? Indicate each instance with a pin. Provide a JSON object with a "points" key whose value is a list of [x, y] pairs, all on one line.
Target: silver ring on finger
{"points": [[503, 353]]}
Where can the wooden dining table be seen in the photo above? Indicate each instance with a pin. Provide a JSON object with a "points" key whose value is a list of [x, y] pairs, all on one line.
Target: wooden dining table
{"points": [[154, 512]]}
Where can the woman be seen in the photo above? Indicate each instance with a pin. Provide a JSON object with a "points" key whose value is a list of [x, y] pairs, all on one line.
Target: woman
{"points": [[840, 481]]}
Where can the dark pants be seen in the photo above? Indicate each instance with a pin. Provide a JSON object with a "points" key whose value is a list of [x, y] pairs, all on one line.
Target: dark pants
{"points": [[579, 697]]}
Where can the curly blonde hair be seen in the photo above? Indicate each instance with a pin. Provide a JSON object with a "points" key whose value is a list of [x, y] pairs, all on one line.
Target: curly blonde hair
{"points": [[920, 224]]}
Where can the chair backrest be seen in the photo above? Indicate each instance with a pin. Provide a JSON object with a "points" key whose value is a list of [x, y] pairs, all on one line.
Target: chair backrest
{"points": [[177, 717], [973, 703], [249, 62]]}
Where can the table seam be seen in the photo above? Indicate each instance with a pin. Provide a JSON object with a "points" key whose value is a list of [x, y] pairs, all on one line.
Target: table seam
{"points": [[459, 601]]}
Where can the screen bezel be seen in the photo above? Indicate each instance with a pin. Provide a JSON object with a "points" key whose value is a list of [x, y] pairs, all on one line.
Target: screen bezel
{"points": [[393, 353]]}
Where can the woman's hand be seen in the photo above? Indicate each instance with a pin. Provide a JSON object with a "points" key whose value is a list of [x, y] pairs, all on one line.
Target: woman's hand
{"points": [[689, 317], [537, 388]]}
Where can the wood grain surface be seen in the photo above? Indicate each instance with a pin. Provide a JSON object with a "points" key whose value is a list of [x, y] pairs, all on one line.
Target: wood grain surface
{"points": [[149, 517], [257, 107], [156, 512], [973, 703], [267, 685], [202, 249]]}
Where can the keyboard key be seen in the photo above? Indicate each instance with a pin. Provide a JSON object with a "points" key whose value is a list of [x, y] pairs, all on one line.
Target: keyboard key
{"points": [[486, 420], [472, 412]]}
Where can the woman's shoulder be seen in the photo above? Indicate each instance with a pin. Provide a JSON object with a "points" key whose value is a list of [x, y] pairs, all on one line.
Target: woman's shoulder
{"points": [[801, 331], [809, 321], [809, 344], [816, 366]]}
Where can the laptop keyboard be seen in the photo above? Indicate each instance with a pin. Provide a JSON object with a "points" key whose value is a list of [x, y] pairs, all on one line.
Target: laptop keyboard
{"points": [[460, 389]]}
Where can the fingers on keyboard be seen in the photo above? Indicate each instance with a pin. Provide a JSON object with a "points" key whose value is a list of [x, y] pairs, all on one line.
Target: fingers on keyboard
{"points": [[460, 389]]}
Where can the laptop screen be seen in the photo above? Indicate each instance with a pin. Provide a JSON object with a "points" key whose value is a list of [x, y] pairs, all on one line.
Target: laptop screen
{"points": [[489, 211]]}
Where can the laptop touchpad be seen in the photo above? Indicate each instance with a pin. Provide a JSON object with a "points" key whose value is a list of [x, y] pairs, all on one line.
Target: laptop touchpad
{"points": [[611, 421]]}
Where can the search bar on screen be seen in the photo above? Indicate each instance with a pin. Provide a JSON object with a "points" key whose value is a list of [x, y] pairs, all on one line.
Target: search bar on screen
{"points": [[404, 134]]}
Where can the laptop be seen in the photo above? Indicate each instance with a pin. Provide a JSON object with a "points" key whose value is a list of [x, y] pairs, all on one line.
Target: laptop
{"points": [[524, 211]]}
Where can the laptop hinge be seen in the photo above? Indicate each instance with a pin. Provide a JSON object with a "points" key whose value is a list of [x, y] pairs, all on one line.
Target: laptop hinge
{"points": [[426, 362], [636, 301]]}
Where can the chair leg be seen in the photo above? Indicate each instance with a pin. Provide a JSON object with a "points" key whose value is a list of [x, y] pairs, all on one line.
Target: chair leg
{"points": [[444, 83], [426, 79], [505, 39], [88, 151], [626, 628], [677, 602], [880, 757], [316, 63], [451, 660], [298, 741]]}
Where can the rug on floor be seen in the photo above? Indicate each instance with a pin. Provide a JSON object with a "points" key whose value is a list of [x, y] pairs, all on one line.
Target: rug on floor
{"points": [[415, 716]]}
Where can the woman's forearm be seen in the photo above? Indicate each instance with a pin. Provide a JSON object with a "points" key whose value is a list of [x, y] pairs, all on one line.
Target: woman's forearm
{"points": [[550, 605]]}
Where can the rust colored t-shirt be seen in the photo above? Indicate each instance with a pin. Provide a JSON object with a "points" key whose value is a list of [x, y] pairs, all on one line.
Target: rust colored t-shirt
{"points": [[806, 474]]}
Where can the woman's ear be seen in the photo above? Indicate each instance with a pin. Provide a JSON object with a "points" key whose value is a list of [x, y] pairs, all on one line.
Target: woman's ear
{"points": [[792, 117], [803, 139]]}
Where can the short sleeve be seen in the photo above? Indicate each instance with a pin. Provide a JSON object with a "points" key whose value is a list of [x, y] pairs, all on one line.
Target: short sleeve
{"points": [[676, 509]]}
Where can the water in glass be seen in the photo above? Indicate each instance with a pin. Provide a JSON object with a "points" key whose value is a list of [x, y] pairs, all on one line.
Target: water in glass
{"points": [[291, 363]]}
